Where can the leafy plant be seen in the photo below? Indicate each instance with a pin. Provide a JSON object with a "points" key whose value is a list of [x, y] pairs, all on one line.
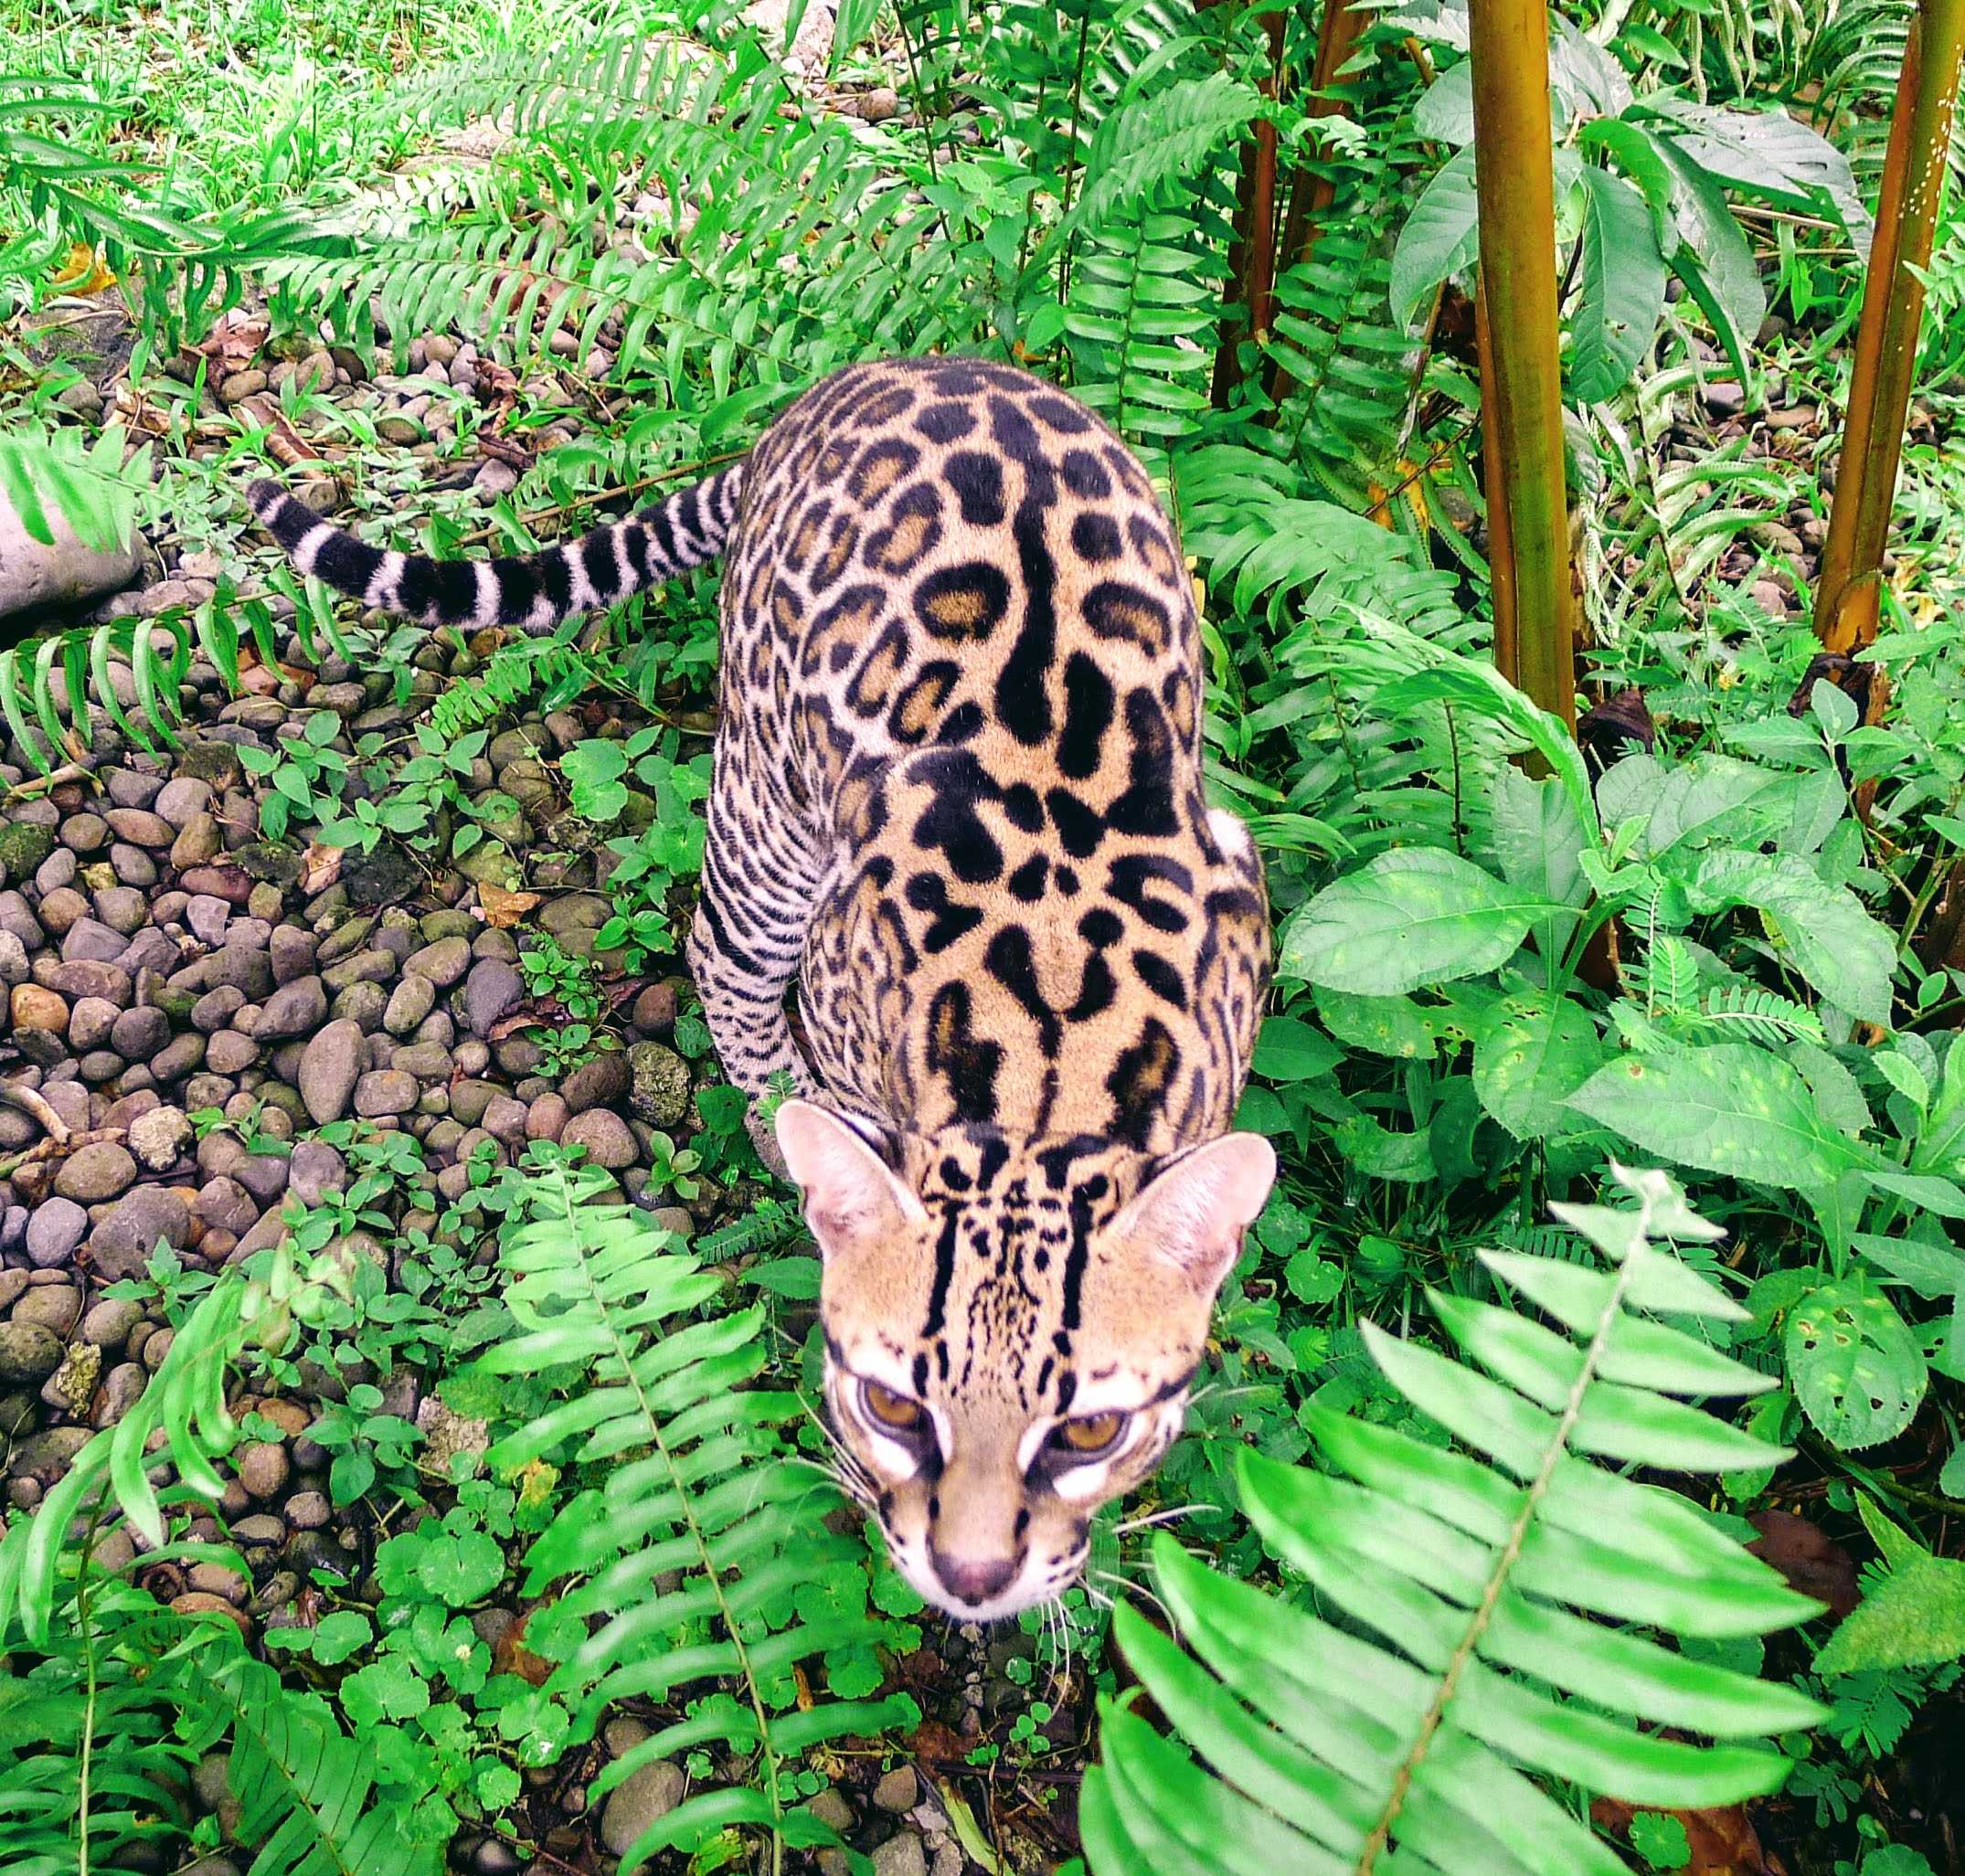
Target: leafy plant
{"points": [[1504, 1592], [690, 1477]]}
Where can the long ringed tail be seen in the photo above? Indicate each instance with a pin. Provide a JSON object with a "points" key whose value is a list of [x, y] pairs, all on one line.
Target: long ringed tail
{"points": [[686, 530]]}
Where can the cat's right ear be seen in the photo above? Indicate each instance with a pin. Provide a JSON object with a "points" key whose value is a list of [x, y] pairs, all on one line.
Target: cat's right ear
{"points": [[851, 1196]]}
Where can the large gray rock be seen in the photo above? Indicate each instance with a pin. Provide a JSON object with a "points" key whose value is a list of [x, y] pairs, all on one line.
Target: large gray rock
{"points": [[329, 1069], [141, 1219], [646, 1796], [35, 574]]}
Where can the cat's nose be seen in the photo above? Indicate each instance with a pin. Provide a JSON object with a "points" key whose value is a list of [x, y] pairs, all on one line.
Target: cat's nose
{"points": [[974, 1582]]}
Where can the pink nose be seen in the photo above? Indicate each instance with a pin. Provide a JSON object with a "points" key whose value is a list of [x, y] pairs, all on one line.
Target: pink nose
{"points": [[972, 1582]]}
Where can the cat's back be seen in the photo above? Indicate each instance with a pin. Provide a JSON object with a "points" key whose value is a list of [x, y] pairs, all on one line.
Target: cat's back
{"points": [[952, 552]]}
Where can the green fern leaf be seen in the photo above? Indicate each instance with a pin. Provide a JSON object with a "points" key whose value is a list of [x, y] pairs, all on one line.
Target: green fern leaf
{"points": [[1500, 1593]]}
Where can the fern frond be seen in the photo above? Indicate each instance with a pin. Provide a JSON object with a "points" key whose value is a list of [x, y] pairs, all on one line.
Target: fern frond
{"points": [[513, 672], [694, 1480], [1742, 1010], [306, 1790], [1501, 1596]]}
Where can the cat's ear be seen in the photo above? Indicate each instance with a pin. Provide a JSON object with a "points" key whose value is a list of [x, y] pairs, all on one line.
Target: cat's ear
{"points": [[850, 1194], [1194, 1214]]}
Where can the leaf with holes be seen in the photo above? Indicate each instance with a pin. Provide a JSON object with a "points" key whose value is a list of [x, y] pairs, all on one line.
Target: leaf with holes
{"points": [[1730, 1108], [1535, 1051], [1855, 1364]]}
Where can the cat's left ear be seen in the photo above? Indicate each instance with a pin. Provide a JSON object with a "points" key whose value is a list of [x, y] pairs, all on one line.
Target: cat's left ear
{"points": [[1194, 1214], [851, 1196]]}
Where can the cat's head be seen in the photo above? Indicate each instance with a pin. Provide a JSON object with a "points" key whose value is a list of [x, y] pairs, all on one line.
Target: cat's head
{"points": [[1010, 1329]]}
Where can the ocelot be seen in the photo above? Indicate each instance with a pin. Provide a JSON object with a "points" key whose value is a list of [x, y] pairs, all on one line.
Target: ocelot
{"points": [[958, 797]]}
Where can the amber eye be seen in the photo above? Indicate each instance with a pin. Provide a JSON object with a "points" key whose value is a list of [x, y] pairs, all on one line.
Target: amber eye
{"points": [[894, 1410], [1092, 1434]]}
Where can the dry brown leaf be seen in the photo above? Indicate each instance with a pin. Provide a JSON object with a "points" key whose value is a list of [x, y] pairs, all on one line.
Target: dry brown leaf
{"points": [[284, 444], [1812, 1560], [503, 910], [1722, 1842], [234, 343], [512, 1656], [320, 869]]}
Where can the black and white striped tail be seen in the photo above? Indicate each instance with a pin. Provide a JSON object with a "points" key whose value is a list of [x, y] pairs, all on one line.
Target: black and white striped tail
{"points": [[538, 589]]}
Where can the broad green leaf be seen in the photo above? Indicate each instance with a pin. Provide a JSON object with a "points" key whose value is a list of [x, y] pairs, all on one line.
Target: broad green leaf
{"points": [[1413, 915], [1836, 945], [1537, 1049], [1623, 288], [463, 1569], [1445, 114], [1855, 1365], [1634, 153], [1289, 1049], [1769, 154], [1713, 258], [1393, 1026], [1439, 237], [1730, 1108]]}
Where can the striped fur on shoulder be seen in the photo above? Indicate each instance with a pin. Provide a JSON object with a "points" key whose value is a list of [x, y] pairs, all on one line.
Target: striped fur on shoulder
{"points": [[686, 530]]}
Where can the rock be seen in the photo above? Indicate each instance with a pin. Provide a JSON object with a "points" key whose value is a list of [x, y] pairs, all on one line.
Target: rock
{"points": [[443, 963], [54, 1229], [660, 1089], [89, 938], [158, 1136], [95, 1172], [546, 1118], [137, 1034], [902, 1855], [224, 1204], [601, 1082], [295, 1009], [46, 1455], [35, 1008], [123, 1243], [108, 1323], [140, 827], [648, 1794], [56, 1307], [308, 1510], [409, 1002], [315, 1169], [293, 952], [263, 1469], [329, 1069], [831, 1807], [208, 915], [897, 1791], [61, 573], [24, 845], [180, 800], [654, 1010], [384, 1091], [492, 990], [606, 1137], [29, 1354]]}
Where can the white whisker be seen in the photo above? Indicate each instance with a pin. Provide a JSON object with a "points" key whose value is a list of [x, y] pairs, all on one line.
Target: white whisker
{"points": [[1151, 1519]]}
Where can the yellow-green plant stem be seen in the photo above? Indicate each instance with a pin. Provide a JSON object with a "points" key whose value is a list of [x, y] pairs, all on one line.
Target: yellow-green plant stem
{"points": [[1847, 588], [1520, 376]]}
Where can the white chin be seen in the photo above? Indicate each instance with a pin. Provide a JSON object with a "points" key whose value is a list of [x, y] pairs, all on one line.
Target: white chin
{"points": [[1032, 1585]]}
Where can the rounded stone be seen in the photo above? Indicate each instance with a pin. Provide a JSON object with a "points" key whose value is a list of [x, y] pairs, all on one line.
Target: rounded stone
{"points": [[606, 1137], [29, 1354], [95, 1172], [384, 1091], [329, 1069], [54, 1229], [137, 1034], [295, 1009], [35, 1008], [263, 1467], [122, 1244], [445, 962]]}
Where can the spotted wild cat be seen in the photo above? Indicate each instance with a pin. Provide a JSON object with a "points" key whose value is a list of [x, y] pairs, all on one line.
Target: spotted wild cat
{"points": [[958, 796]]}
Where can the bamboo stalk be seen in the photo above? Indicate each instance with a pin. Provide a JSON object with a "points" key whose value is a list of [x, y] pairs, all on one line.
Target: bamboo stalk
{"points": [[1847, 585], [1251, 288], [1521, 375]]}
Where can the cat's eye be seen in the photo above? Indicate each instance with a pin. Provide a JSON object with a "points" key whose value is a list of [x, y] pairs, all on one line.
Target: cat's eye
{"points": [[1088, 1435], [893, 1411]]}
